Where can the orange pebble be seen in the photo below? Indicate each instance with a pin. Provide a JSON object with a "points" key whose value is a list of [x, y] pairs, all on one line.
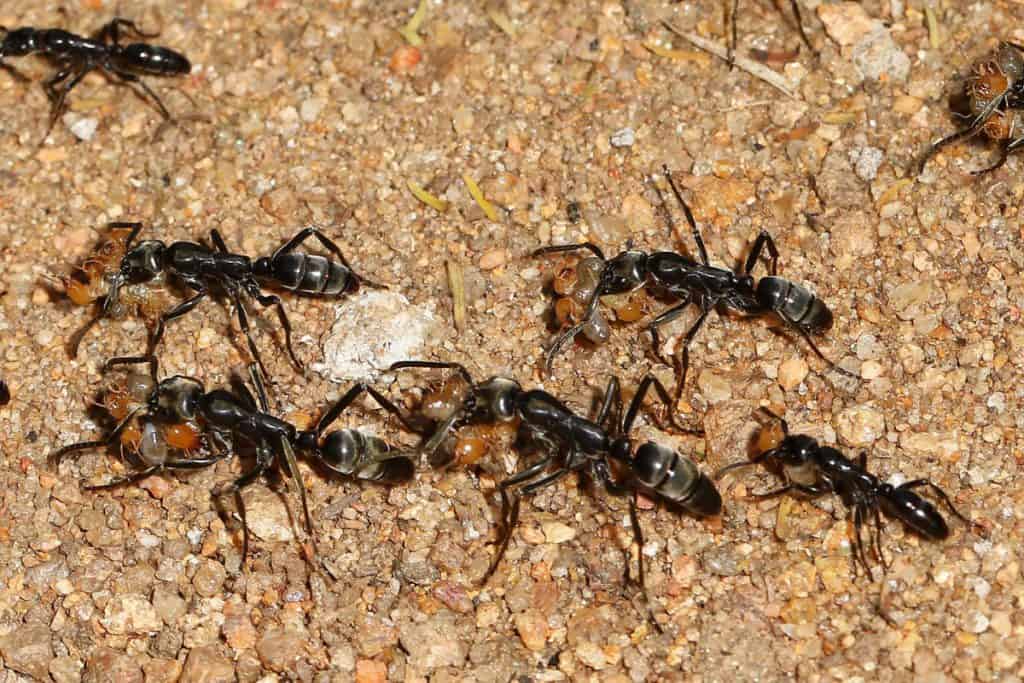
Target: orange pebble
{"points": [[405, 59]]}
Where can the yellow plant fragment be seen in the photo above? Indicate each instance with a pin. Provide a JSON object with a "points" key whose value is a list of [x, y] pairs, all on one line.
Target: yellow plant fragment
{"points": [[933, 27], [679, 55], [501, 21], [411, 30], [457, 285], [427, 198], [839, 118], [478, 197]]}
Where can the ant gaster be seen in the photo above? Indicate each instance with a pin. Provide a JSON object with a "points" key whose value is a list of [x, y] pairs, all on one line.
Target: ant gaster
{"points": [[231, 418], [813, 470], [199, 267], [574, 443], [710, 287], [75, 56], [995, 91]]}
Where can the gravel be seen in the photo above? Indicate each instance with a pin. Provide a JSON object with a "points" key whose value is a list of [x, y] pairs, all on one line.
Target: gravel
{"points": [[320, 114]]}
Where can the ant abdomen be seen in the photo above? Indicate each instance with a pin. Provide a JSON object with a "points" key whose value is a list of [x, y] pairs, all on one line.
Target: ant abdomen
{"points": [[795, 304], [151, 59], [306, 273], [914, 511], [352, 453], [676, 478]]}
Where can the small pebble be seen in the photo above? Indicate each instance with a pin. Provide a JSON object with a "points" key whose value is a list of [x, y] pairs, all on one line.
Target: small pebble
{"points": [[556, 532], [492, 259], [623, 138], [84, 128]]}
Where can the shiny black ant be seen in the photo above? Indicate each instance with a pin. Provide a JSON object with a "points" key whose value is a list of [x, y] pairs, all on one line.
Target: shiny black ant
{"points": [[572, 443], [234, 417], [5, 393], [995, 93], [710, 287], [813, 470], [199, 267], [75, 56]]}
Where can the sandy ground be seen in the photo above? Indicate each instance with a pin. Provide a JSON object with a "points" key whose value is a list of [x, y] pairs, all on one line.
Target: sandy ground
{"points": [[311, 119]]}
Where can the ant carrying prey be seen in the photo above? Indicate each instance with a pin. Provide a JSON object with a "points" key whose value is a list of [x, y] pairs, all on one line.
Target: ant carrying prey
{"points": [[572, 443], [813, 470], [201, 268], [995, 94], [233, 418], [687, 281], [75, 56]]}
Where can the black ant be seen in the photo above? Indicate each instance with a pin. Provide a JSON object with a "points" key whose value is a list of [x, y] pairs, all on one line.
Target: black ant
{"points": [[710, 287], [76, 56], [5, 393], [994, 91], [233, 417], [199, 267], [815, 470], [574, 443]]}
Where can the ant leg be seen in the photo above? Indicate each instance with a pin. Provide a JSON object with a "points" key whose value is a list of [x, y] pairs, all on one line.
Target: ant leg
{"points": [[293, 471], [970, 131], [240, 504], [128, 479], [406, 420], [218, 241], [58, 99], [731, 55], [800, 27], [128, 78], [814, 347], [1004, 154], [133, 360], [176, 312], [135, 228], [537, 485], [683, 368], [764, 240], [858, 524], [439, 365], [191, 464], [330, 246], [943, 496], [686, 208], [76, 339], [663, 319], [110, 438], [243, 322], [509, 519], [350, 396], [611, 395], [282, 316], [563, 248], [110, 30], [878, 540], [646, 383]]}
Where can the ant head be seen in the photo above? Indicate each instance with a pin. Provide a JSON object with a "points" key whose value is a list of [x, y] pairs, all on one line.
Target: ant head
{"points": [[17, 43], [775, 442], [493, 400], [143, 262], [624, 273], [176, 398]]}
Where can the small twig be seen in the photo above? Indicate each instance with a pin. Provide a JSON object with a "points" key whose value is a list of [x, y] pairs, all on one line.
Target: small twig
{"points": [[755, 69], [456, 283]]}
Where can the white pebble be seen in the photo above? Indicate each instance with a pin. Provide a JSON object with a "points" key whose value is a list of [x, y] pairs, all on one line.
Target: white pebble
{"points": [[84, 128], [623, 138]]}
